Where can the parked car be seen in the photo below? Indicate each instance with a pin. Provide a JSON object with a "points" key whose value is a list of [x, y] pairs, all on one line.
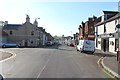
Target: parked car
{"points": [[86, 46], [49, 43], [72, 44], [68, 43], [9, 45]]}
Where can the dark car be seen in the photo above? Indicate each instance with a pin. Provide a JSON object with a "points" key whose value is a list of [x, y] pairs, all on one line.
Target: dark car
{"points": [[49, 43]]}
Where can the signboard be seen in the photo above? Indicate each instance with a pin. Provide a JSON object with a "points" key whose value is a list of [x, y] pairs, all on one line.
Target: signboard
{"points": [[106, 35], [91, 36]]}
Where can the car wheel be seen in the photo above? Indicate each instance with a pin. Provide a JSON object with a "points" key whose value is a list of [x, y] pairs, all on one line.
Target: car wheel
{"points": [[81, 51], [17, 46], [92, 52], [77, 49], [3, 46]]}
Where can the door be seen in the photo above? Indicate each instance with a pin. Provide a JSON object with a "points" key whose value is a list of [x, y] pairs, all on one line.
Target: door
{"points": [[26, 44], [104, 45]]}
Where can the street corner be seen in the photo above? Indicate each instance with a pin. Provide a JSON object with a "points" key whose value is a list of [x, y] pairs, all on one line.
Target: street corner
{"points": [[110, 68], [5, 55]]}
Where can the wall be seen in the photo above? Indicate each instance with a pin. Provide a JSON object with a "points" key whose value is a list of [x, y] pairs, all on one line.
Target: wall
{"points": [[99, 44], [112, 45], [110, 27], [100, 29]]}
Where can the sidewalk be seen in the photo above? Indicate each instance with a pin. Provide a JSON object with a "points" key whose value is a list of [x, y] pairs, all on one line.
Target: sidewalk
{"points": [[110, 62]]}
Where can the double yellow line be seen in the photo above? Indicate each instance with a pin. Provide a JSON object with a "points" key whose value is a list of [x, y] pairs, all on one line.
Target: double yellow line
{"points": [[103, 69]]}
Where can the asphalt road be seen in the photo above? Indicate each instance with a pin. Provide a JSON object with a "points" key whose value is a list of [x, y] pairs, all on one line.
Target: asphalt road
{"points": [[51, 62]]}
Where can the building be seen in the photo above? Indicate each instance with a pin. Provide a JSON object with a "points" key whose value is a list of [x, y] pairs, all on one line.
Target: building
{"points": [[49, 37], [3, 36], [81, 31], [26, 34], [86, 30], [67, 40], [43, 36], [76, 38], [106, 32]]}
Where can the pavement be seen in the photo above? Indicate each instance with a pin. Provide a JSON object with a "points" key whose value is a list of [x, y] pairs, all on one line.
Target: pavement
{"points": [[110, 64]]}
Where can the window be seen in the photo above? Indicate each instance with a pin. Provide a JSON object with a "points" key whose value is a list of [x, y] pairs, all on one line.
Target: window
{"points": [[11, 32], [32, 33], [104, 28], [96, 42]]}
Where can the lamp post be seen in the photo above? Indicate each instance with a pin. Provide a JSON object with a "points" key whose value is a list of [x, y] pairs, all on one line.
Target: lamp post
{"points": [[38, 38], [118, 52]]}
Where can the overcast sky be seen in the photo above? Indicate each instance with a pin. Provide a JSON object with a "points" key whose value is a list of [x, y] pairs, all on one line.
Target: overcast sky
{"points": [[57, 17]]}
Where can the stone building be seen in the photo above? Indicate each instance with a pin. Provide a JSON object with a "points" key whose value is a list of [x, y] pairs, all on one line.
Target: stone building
{"points": [[26, 34]]}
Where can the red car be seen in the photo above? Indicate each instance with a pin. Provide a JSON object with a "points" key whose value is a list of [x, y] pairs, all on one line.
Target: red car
{"points": [[71, 44]]}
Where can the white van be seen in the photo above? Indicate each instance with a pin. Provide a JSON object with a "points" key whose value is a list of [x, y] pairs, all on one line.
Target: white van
{"points": [[86, 46]]}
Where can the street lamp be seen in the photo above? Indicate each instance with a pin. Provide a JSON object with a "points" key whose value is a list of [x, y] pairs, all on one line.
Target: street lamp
{"points": [[36, 24], [37, 18]]}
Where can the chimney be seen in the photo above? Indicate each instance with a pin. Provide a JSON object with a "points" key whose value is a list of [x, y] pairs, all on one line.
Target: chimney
{"points": [[27, 18], [90, 19], [94, 17], [6, 22], [35, 23]]}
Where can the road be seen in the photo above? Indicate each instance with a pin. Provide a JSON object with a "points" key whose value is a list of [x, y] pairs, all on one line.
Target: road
{"points": [[51, 62]]}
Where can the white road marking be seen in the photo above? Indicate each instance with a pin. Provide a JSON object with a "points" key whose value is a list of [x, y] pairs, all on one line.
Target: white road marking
{"points": [[13, 55], [42, 69]]}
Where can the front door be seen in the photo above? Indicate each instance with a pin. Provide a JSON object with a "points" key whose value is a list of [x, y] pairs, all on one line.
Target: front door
{"points": [[104, 45]]}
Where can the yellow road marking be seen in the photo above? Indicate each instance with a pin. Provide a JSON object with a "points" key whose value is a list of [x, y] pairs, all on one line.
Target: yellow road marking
{"points": [[103, 69], [108, 73]]}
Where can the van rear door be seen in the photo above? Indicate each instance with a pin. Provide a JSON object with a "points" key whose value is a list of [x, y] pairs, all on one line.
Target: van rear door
{"points": [[89, 45]]}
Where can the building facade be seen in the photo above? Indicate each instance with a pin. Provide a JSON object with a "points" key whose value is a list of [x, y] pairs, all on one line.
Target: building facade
{"points": [[107, 33], [86, 30], [27, 34]]}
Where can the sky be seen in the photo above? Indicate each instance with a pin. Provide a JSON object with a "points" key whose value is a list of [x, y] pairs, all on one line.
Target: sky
{"points": [[56, 17]]}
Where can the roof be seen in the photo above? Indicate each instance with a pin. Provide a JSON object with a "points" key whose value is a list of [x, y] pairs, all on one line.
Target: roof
{"points": [[111, 19], [112, 12], [12, 26]]}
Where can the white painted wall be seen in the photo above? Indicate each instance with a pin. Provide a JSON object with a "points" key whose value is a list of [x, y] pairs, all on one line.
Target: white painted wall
{"points": [[100, 29], [99, 45], [112, 47], [110, 27]]}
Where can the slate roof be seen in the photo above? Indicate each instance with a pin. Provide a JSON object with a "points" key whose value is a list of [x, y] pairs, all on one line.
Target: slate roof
{"points": [[112, 12], [12, 26]]}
